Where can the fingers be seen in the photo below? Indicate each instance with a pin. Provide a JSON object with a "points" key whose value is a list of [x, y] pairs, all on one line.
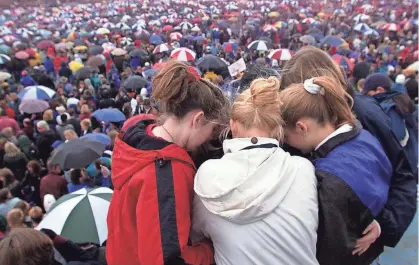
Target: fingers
{"points": [[369, 228], [360, 250], [370, 238]]}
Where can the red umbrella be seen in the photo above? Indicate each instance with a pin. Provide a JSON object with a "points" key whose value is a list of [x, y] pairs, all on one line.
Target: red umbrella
{"points": [[280, 54], [30, 52], [45, 44], [168, 28], [22, 55], [343, 61]]}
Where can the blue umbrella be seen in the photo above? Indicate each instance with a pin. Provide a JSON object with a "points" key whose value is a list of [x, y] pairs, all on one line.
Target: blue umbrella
{"points": [[332, 41], [36, 92], [109, 115], [199, 38], [98, 137], [156, 39]]}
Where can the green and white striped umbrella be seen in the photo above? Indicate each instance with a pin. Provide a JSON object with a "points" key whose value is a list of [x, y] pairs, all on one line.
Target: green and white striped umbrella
{"points": [[80, 216]]}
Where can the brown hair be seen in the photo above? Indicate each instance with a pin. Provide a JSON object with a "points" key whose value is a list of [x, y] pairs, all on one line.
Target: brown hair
{"points": [[25, 246], [8, 175], [36, 167], [35, 213], [259, 107], [15, 218], [311, 62], [327, 106], [178, 91], [24, 206], [48, 115]]}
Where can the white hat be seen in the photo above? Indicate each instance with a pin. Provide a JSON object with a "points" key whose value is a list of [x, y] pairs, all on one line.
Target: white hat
{"points": [[60, 109], [400, 79], [275, 63], [147, 64], [49, 200], [144, 92], [390, 68]]}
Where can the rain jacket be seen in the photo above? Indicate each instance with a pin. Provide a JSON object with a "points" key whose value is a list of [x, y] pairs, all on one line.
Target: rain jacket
{"points": [[257, 197], [149, 215], [353, 174]]}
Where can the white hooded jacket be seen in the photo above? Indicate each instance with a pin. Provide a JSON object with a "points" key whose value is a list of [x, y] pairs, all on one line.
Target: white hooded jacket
{"points": [[258, 206]]}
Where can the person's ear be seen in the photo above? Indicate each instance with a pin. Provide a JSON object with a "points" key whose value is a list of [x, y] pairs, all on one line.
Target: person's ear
{"points": [[301, 128], [380, 89], [197, 119]]}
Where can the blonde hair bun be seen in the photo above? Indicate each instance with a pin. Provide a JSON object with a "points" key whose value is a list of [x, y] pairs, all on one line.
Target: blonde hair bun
{"points": [[264, 91]]}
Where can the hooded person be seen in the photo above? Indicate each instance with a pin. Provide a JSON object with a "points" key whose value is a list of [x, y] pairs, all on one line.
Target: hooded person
{"points": [[63, 125], [399, 84], [257, 188], [26, 79], [400, 110], [153, 173]]}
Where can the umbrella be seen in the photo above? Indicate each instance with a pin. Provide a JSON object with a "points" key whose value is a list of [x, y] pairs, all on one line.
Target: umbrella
{"points": [[280, 24], [83, 73], [80, 216], [45, 44], [168, 28], [98, 137], [72, 101], [77, 153], [269, 28], [361, 27], [361, 17], [138, 53], [183, 54], [280, 54], [102, 31], [273, 14], [4, 76], [4, 49], [33, 106], [186, 25], [391, 27], [61, 46], [149, 73], [118, 52], [109, 115], [309, 20], [175, 36], [229, 47], [4, 59], [95, 50], [22, 55], [156, 39], [95, 61], [308, 39], [343, 61], [75, 66], [36, 92], [259, 45], [162, 48], [332, 41], [211, 62], [109, 25], [134, 82], [80, 48]]}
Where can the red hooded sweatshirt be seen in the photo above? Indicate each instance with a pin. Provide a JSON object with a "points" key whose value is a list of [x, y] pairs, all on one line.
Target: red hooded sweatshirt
{"points": [[149, 215]]}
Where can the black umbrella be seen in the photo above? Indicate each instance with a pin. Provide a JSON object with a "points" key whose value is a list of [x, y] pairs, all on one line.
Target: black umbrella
{"points": [[83, 73], [79, 42], [138, 53], [211, 62], [77, 153], [267, 39], [134, 82], [95, 50]]}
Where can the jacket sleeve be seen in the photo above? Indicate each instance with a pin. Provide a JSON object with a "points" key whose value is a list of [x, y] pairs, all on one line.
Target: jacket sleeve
{"points": [[400, 208], [342, 219], [163, 217]]}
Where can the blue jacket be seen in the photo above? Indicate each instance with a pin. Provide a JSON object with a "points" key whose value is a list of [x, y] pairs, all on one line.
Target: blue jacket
{"points": [[398, 88], [49, 65], [27, 81], [400, 208], [135, 62], [353, 175], [404, 126]]}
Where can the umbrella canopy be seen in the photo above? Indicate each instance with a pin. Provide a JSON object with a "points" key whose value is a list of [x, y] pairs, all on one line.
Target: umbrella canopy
{"points": [[75, 66], [162, 48], [72, 101], [45, 44], [308, 39], [211, 62], [109, 115], [138, 53], [36, 92], [22, 55], [80, 48], [156, 39], [391, 27], [80, 216], [4, 76], [4, 59], [102, 31], [259, 45], [83, 73], [333, 41], [95, 61], [4, 49], [175, 36], [33, 106], [229, 47], [183, 54], [95, 50], [134, 82], [77, 153], [118, 52], [343, 61], [98, 137], [361, 27], [280, 54]]}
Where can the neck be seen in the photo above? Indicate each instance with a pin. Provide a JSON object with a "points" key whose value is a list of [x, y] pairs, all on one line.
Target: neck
{"points": [[171, 131], [253, 132], [322, 133]]}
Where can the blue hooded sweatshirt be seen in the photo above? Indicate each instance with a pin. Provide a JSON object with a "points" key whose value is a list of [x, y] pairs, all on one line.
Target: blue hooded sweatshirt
{"points": [[49, 65], [27, 81]]}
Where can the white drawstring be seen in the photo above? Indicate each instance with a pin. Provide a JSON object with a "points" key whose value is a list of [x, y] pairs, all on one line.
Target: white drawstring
{"points": [[312, 88]]}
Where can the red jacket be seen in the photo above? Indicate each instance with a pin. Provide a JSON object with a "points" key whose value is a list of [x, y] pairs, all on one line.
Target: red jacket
{"points": [[149, 215]]}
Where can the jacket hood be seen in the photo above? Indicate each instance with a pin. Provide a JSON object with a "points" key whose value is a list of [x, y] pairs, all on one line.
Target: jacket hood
{"points": [[248, 183], [135, 149], [386, 96]]}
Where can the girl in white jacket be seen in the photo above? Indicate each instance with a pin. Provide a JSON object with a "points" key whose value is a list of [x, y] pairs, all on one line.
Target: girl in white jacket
{"points": [[258, 204]]}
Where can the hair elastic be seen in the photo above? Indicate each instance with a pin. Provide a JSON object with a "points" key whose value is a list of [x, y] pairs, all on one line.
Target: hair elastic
{"points": [[313, 88]]}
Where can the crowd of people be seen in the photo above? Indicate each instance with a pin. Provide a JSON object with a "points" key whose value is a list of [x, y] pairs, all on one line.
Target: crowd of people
{"points": [[241, 132]]}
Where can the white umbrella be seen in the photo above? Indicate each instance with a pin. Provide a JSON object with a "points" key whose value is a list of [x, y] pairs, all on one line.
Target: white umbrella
{"points": [[183, 54], [258, 45]]}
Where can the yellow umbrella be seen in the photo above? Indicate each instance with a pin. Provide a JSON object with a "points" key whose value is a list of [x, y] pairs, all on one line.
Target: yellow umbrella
{"points": [[80, 48], [71, 36], [273, 14], [102, 31], [280, 24], [74, 66], [321, 14], [233, 19], [36, 60]]}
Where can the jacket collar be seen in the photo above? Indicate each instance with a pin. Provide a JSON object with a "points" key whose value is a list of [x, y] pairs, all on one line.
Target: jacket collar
{"points": [[339, 139]]}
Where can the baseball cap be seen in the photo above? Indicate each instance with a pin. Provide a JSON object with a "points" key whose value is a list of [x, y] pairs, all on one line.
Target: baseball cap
{"points": [[372, 82]]}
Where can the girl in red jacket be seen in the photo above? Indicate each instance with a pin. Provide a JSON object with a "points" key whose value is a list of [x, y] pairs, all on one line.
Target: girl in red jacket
{"points": [[149, 216]]}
